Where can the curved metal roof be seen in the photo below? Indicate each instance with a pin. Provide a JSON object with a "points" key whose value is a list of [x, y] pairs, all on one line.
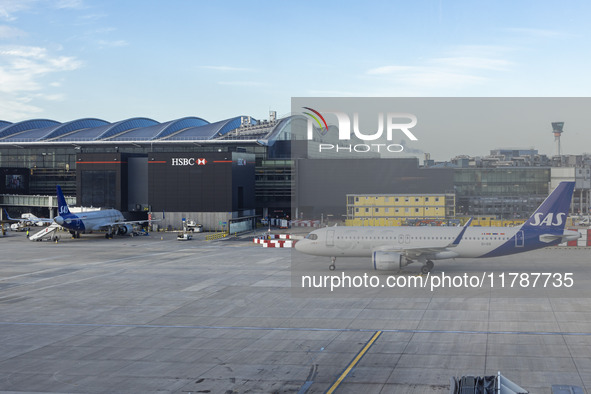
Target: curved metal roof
{"points": [[108, 130], [126, 125], [75, 125], [133, 129], [26, 125], [209, 131], [282, 130], [160, 130], [54, 131]]}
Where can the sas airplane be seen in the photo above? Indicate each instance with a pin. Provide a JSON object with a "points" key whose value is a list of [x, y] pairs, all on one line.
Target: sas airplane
{"points": [[27, 220], [109, 220], [391, 248]]}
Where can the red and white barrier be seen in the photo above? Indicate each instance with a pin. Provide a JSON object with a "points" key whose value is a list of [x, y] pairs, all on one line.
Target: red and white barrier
{"points": [[275, 241], [585, 239], [278, 244]]}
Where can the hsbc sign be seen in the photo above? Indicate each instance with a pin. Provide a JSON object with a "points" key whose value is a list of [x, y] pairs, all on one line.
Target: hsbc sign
{"points": [[188, 161]]}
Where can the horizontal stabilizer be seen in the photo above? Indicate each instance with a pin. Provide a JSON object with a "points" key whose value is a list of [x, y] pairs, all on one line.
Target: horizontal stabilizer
{"points": [[568, 235]]}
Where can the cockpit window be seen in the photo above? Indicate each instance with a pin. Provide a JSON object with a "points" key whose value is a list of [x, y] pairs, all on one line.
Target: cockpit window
{"points": [[312, 237]]}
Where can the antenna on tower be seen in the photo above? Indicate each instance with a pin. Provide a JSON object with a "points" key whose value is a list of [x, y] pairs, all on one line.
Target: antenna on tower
{"points": [[557, 130]]}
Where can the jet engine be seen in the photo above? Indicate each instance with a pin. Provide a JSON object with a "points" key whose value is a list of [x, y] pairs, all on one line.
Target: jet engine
{"points": [[122, 230], [389, 261]]}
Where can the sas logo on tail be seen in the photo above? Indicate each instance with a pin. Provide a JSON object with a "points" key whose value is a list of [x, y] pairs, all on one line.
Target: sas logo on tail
{"points": [[537, 219]]}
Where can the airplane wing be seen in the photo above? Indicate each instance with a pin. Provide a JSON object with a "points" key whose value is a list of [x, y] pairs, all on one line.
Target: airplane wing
{"points": [[110, 225], [415, 252], [456, 241], [29, 220]]}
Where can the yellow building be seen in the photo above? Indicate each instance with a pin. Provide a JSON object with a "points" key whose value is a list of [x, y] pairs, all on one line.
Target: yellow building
{"points": [[398, 209]]}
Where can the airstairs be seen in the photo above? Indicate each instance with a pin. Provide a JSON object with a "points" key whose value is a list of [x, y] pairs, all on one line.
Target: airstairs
{"points": [[47, 231]]}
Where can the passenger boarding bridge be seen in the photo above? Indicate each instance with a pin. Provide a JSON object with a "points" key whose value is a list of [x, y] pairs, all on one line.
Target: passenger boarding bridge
{"points": [[21, 200]]}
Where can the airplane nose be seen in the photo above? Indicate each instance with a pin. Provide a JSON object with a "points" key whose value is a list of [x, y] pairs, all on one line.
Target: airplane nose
{"points": [[59, 220], [300, 246]]}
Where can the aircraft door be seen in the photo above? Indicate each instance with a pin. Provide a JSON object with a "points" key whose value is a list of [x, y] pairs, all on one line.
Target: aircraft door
{"points": [[519, 239], [330, 238]]}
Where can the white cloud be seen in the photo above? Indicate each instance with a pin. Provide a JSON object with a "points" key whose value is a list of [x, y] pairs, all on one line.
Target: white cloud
{"points": [[112, 44], [242, 83], [461, 66], [538, 33], [17, 109], [468, 62], [7, 32], [426, 76], [385, 70], [8, 8], [26, 63], [226, 68], [333, 93], [22, 69], [73, 4]]}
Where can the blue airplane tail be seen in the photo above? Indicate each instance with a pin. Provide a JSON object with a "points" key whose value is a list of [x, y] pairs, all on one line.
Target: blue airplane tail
{"points": [[62, 206], [550, 217], [545, 227]]}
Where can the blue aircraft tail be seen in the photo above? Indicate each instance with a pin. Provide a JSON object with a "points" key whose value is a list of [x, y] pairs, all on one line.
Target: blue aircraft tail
{"points": [[7, 215], [62, 206], [550, 217]]}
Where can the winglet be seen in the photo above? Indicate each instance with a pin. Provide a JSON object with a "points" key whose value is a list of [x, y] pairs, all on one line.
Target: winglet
{"points": [[456, 241]]}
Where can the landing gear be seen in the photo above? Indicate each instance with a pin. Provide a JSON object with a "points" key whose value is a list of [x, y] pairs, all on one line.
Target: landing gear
{"points": [[332, 266], [108, 235], [425, 269], [75, 234]]}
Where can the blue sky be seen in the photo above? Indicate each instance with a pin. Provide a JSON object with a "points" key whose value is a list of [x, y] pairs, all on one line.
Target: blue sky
{"points": [[68, 59]]}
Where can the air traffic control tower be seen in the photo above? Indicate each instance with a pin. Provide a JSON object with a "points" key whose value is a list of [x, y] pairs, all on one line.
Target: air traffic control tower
{"points": [[557, 130]]}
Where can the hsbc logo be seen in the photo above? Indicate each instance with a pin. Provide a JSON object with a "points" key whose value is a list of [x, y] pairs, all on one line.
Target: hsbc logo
{"points": [[185, 161], [549, 220]]}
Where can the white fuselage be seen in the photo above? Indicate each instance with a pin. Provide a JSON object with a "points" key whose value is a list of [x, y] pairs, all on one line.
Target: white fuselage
{"points": [[90, 221], [363, 241]]}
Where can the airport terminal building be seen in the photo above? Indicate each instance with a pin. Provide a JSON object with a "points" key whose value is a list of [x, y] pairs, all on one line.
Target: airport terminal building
{"points": [[214, 173], [187, 167], [232, 171]]}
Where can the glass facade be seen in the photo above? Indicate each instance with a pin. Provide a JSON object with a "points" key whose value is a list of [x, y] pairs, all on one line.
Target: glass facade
{"points": [[48, 166], [273, 180], [55, 164], [506, 193]]}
